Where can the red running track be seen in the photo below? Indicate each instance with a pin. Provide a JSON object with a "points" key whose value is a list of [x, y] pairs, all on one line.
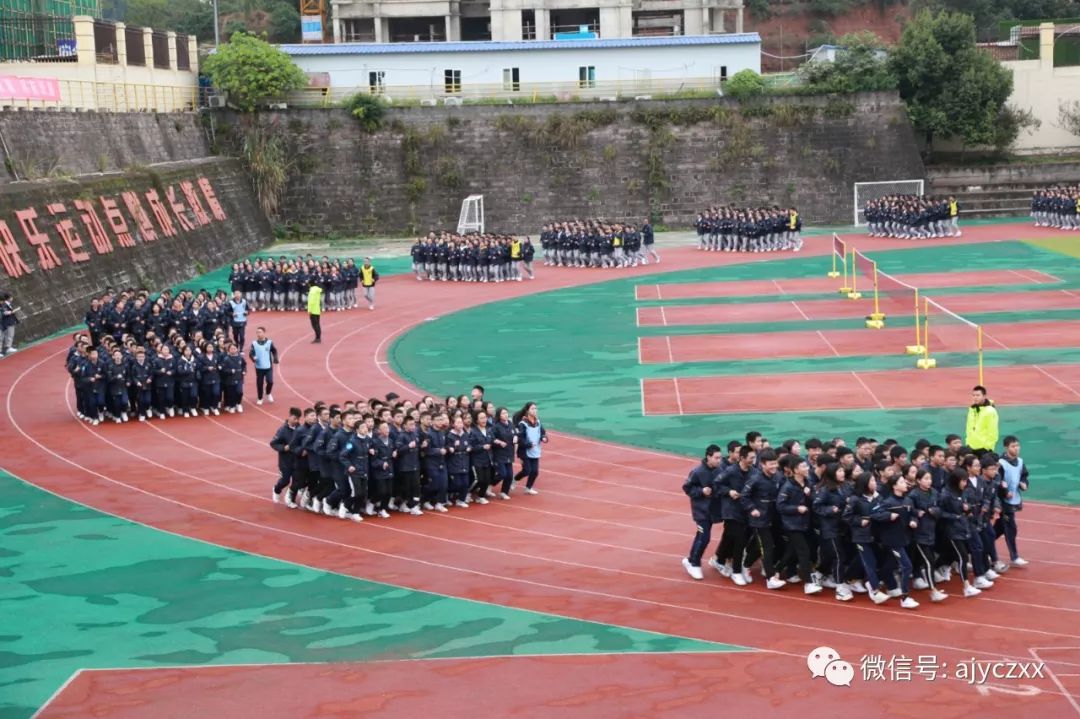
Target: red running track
{"points": [[602, 542], [842, 309], [824, 285], [852, 342], [943, 387]]}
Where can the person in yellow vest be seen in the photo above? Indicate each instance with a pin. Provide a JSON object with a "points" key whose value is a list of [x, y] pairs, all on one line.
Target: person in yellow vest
{"points": [[982, 422], [515, 258], [314, 309], [794, 230], [617, 247], [954, 218], [368, 277]]}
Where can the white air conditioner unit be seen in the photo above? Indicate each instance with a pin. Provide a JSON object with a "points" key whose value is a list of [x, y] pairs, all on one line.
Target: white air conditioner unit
{"points": [[215, 101]]}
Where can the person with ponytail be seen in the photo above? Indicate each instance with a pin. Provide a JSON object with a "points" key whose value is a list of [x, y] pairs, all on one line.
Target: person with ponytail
{"points": [[531, 434]]}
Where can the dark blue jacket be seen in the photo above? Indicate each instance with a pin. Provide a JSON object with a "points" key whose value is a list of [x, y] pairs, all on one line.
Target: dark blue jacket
{"points": [[209, 370], [300, 438], [954, 515], [382, 462], [925, 503], [331, 453], [478, 456], [457, 453], [859, 508], [164, 371], [504, 432], [434, 460], [732, 478], [759, 493], [789, 498], [284, 437], [829, 509], [116, 378], [703, 508], [232, 370], [894, 533], [352, 451], [408, 459]]}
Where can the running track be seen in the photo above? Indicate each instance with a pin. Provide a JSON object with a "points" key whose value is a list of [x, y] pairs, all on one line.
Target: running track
{"points": [[587, 547]]}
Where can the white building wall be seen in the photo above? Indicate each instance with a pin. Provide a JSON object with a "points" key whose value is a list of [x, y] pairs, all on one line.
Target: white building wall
{"points": [[535, 66]]}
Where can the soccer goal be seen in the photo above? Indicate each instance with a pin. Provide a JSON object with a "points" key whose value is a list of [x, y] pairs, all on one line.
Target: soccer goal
{"points": [[866, 191], [472, 215]]}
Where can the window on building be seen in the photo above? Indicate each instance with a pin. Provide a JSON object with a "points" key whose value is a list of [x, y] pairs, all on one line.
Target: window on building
{"points": [[452, 80], [511, 79], [721, 73], [377, 82], [587, 76], [528, 24]]}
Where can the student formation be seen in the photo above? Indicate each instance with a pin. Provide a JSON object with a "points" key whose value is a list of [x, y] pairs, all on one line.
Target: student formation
{"points": [[878, 520], [912, 217], [597, 243], [449, 257], [1057, 206], [366, 459], [763, 229]]}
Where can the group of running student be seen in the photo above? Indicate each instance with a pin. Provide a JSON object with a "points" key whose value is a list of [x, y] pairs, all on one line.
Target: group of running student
{"points": [[912, 216], [879, 520], [282, 284], [597, 243], [764, 229], [371, 458], [184, 354], [449, 257], [1057, 206]]}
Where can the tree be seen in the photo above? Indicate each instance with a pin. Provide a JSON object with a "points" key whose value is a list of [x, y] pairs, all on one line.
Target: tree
{"points": [[1069, 116], [284, 23], [860, 65], [951, 88], [252, 71], [744, 85]]}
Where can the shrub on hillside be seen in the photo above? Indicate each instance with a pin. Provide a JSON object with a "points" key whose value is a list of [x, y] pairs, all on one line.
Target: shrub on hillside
{"points": [[744, 85]]}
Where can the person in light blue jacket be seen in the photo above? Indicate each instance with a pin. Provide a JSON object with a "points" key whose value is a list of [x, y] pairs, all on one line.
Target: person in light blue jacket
{"points": [[531, 434], [265, 355]]}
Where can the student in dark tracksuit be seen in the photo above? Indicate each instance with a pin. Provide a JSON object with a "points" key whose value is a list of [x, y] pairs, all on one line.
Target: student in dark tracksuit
{"points": [[793, 503], [828, 506], [759, 502], [503, 451], [311, 444], [341, 491], [481, 443], [322, 489], [164, 369], [704, 507], [896, 520], [116, 386], [530, 435], [282, 443], [353, 456], [732, 549], [861, 507], [956, 512], [233, 369], [141, 377], [300, 465], [381, 463], [924, 499], [407, 466], [457, 463], [209, 369], [433, 450], [187, 387]]}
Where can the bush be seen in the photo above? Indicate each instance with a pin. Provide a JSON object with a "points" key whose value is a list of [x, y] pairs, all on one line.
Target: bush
{"points": [[252, 71], [369, 110], [744, 85]]}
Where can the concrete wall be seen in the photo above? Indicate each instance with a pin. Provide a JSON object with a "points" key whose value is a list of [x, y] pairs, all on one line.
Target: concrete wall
{"points": [[64, 241], [412, 175], [42, 144]]}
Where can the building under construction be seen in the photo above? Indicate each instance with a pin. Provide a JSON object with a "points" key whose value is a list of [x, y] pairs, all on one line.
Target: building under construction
{"points": [[41, 29]]}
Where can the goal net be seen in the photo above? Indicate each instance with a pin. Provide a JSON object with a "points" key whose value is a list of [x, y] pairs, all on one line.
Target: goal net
{"points": [[472, 215], [866, 191]]}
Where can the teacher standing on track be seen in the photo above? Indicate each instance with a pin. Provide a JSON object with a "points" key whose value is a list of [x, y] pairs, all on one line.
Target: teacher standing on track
{"points": [[314, 308], [368, 277]]}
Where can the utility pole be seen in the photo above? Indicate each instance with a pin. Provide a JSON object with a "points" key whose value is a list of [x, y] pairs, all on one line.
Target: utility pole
{"points": [[217, 26]]}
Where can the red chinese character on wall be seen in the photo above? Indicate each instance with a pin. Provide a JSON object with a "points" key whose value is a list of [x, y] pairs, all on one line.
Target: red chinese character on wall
{"points": [[46, 254], [9, 253], [211, 199], [117, 222], [179, 210], [94, 228], [135, 209], [160, 213], [193, 202], [68, 233]]}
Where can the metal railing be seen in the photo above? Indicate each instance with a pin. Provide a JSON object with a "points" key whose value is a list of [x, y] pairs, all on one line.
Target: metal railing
{"points": [[115, 97], [36, 38]]}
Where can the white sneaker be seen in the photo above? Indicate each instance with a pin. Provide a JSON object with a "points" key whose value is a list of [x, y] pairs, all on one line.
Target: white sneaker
{"points": [[216, 411], [490, 494], [504, 495], [938, 596], [858, 587], [894, 593], [811, 588], [718, 567], [530, 490], [274, 496], [142, 418], [289, 503], [983, 583], [206, 413], [793, 579], [878, 597], [239, 409], [694, 572], [1001, 567], [270, 398], [1020, 562], [172, 412], [383, 514], [775, 583], [356, 518], [95, 422], [843, 593], [123, 417], [393, 505], [817, 577], [921, 583], [991, 574], [369, 509], [415, 511], [481, 500], [747, 576], [439, 507], [739, 579], [429, 506], [258, 402], [828, 583], [342, 511], [939, 576], [316, 506], [327, 510], [970, 591], [909, 603], [461, 504]]}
